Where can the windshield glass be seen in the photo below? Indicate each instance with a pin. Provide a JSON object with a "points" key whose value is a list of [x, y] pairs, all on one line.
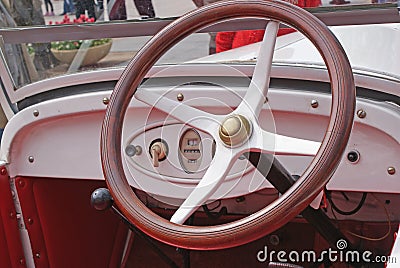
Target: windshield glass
{"points": [[68, 36]]}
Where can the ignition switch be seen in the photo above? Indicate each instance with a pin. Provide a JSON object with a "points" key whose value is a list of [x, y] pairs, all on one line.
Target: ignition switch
{"points": [[158, 151]]}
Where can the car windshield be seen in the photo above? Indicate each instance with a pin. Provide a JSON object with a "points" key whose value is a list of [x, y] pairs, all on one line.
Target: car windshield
{"points": [[43, 39]]}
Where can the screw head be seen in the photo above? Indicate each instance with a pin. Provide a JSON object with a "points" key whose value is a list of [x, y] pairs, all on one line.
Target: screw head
{"points": [[31, 159], [30, 221], [21, 183], [37, 255], [35, 113], [106, 101], [391, 170], [180, 97], [314, 103], [3, 171], [361, 113]]}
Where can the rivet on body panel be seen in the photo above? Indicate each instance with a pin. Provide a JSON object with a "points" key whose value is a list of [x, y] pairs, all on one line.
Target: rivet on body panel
{"points": [[314, 104], [106, 101], [361, 113], [391, 170], [180, 97]]}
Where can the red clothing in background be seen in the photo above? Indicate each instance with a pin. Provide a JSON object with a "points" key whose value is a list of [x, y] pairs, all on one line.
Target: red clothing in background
{"points": [[229, 40]]}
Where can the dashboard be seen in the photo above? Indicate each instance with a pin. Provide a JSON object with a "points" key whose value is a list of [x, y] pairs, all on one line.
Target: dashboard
{"points": [[71, 127]]}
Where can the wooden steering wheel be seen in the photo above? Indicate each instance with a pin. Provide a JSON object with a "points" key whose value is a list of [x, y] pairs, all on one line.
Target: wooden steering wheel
{"points": [[235, 133]]}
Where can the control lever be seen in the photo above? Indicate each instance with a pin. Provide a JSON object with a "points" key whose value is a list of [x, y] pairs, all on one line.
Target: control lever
{"points": [[102, 200], [158, 152]]}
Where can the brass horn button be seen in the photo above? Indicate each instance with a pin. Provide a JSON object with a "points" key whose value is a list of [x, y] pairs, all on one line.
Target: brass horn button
{"points": [[231, 126], [235, 130]]}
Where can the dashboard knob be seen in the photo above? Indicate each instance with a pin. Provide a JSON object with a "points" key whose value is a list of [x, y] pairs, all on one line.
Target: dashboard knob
{"points": [[132, 150], [101, 199]]}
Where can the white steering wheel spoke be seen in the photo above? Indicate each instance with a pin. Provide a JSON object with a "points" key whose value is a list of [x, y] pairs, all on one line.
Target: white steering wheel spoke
{"points": [[212, 179], [257, 92], [283, 145], [184, 113]]}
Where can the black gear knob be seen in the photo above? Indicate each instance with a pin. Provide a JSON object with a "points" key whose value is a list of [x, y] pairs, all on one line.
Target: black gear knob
{"points": [[101, 199]]}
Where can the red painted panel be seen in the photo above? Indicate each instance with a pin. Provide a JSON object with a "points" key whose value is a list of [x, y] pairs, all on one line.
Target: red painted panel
{"points": [[5, 260], [65, 230]]}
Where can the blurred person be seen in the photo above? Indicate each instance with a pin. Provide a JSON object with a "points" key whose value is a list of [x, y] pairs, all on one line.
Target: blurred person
{"points": [[229, 40], [118, 10], [48, 3], [145, 8], [68, 7], [82, 5]]}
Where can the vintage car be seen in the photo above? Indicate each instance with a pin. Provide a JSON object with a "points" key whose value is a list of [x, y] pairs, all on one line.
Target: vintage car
{"points": [[280, 153]]}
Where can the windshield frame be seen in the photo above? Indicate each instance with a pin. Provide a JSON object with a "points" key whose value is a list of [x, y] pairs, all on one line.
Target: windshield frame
{"points": [[330, 15]]}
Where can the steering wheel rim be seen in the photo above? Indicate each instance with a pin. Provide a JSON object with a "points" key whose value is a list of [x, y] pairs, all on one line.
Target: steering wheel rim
{"points": [[291, 203]]}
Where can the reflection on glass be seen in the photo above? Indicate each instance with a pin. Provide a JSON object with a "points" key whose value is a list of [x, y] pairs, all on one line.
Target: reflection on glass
{"points": [[82, 55]]}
